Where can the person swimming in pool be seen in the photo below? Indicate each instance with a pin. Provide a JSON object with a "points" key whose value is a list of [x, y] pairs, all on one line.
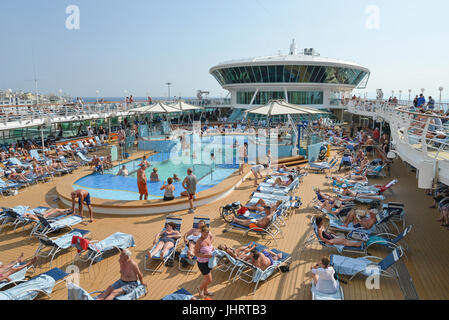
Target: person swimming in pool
{"points": [[83, 197]]}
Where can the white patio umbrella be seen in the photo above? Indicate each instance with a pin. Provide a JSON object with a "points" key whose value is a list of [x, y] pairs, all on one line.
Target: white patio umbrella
{"points": [[155, 108], [281, 107], [183, 106]]}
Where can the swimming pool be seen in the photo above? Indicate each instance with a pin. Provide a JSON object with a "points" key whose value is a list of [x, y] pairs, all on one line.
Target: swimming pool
{"points": [[111, 186]]}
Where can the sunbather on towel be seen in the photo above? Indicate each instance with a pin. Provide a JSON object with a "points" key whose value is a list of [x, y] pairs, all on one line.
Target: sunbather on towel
{"points": [[333, 239], [129, 274], [50, 213], [165, 240], [331, 207], [10, 269], [263, 259], [261, 204], [325, 196], [349, 193], [192, 236], [360, 220], [256, 224], [240, 252], [281, 183]]}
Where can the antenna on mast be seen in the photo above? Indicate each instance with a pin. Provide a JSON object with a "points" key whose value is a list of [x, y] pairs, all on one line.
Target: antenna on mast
{"points": [[293, 48]]}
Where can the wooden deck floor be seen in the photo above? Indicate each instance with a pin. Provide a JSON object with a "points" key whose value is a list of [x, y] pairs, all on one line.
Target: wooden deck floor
{"points": [[427, 262]]}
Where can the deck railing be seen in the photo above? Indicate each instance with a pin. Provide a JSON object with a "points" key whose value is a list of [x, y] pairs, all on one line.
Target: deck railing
{"points": [[416, 136]]}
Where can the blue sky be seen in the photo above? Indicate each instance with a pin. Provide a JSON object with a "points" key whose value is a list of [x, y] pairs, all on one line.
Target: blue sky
{"points": [[139, 45]]}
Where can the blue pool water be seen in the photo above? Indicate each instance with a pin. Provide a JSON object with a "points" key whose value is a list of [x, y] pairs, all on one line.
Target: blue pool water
{"points": [[111, 186]]}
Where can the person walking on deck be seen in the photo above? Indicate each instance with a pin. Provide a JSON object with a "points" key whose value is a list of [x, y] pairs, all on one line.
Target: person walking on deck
{"points": [[142, 182], [189, 184]]}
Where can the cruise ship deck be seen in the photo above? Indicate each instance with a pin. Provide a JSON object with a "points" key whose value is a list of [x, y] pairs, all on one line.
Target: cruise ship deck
{"points": [[423, 273]]}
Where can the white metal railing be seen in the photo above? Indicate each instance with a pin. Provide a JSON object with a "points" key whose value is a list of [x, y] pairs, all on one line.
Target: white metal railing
{"points": [[20, 116], [417, 136]]}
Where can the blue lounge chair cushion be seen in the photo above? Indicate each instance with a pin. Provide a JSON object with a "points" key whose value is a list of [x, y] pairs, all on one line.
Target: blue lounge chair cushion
{"points": [[30, 289], [117, 240], [181, 294], [351, 266]]}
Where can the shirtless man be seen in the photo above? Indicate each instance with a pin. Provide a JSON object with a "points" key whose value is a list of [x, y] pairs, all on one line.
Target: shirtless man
{"points": [[142, 182], [365, 223], [256, 223], [130, 276], [10, 269], [261, 204], [50, 213], [145, 162], [83, 197], [349, 193], [263, 259]]}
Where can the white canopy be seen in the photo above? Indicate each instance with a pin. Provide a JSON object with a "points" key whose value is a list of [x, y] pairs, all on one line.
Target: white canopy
{"points": [[181, 105], [281, 107], [155, 108]]}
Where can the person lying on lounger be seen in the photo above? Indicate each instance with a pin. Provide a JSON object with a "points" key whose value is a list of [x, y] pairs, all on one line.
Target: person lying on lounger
{"points": [[333, 239], [129, 276], [261, 204], [263, 259], [360, 219], [354, 195], [240, 252], [49, 213], [192, 236], [165, 240], [350, 179], [261, 223], [281, 183], [10, 269], [331, 207], [325, 196]]}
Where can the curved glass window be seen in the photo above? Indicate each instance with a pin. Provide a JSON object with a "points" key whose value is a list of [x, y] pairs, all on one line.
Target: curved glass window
{"points": [[295, 97], [289, 74]]}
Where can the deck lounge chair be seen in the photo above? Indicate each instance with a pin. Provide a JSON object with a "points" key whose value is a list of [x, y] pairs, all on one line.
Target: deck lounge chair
{"points": [[272, 229], [268, 188], [316, 295], [251, 274], [34, 154], [47, 226], [75, 292], [315, 238], [17, 277], [181, 294], [29, 290], [170, 256], [7, 186], [57, 245], [321, 167], [364, 265], [84, 159], [96, 249], [183, 255]]}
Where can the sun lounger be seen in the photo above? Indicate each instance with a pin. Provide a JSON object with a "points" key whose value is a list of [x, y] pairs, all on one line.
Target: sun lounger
{"points": [[183, 255], [17, 277], [171, 253], [366, 265], [75, 292], [96, 249], [251, 274], [181, 294], [29, 290], [47, 226], [84, 159], [57, 245], [315, 238]]}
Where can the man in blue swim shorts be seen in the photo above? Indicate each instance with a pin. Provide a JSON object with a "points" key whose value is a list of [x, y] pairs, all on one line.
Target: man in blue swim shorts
{"points": [[83, 197]]}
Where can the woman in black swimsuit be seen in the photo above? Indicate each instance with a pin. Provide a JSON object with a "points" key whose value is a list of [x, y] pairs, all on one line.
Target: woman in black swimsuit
{"points": [[330, 238], [165, 240]]}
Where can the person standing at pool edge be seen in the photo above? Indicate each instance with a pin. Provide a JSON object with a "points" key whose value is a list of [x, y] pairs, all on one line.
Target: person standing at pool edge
{"points": [[189, 184], [83, 196], [142, 182]]}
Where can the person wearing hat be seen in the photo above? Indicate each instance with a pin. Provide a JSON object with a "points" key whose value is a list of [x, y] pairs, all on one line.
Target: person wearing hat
{"points": [[360, 219]]}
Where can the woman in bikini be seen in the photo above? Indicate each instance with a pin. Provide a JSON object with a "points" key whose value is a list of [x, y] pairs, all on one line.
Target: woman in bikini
{"points": [[11, 268], [165, 240], [331, 238]]}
